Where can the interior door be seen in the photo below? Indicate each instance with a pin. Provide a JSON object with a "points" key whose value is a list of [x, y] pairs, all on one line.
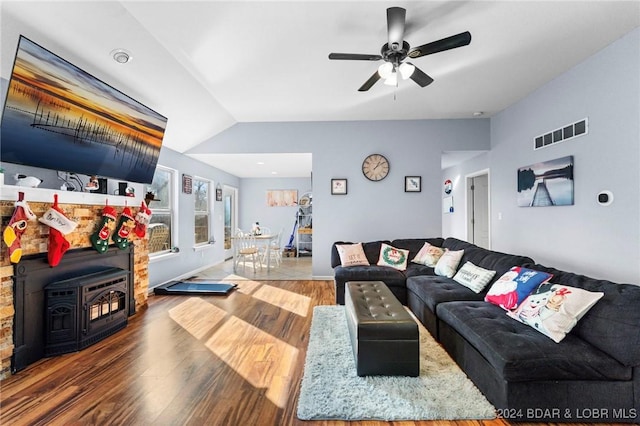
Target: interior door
{"points": [[478, 212], [229, 199]]}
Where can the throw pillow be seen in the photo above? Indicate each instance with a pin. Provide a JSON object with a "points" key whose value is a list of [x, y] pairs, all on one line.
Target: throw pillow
{"points": [[394, 257], [554, 309], [473, 277], [428, 255], [514, 286], [352, 255], [448, 263]]}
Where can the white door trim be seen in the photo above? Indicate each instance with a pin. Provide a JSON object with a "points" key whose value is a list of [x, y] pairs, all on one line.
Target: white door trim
{"points": [[468, 205]]}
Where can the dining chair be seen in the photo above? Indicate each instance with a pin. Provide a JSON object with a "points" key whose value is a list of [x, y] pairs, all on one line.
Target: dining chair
{"points": [[275, 249], [244, 247]]}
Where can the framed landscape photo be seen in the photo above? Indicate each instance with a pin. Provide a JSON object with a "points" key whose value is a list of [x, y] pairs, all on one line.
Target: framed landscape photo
{"points": [[549, 183], [338, 186], [412, 183]]}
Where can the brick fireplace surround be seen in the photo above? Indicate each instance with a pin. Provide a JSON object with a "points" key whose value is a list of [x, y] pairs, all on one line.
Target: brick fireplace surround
{"points": [[86, 210]]}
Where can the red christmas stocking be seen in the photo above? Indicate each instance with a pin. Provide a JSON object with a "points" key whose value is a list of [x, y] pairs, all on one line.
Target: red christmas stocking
{"points": [[143, 217], [60, 226], [16, 228]]}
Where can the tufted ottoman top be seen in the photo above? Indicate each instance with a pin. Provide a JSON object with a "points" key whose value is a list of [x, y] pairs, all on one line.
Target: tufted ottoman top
{"points": [[378, 313]]}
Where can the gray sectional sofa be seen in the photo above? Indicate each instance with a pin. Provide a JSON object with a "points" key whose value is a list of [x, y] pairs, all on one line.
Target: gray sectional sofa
{"points": [[592, 375]]}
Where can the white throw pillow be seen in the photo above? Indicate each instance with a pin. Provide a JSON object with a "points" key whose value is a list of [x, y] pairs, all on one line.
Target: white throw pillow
{"points": [[428, 255], [352, 255], [448, 263], [554, 309], [473, 277], [393, 257]]}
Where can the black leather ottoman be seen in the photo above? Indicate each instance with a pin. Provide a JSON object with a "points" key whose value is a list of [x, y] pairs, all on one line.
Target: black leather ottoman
{"points": [[384, 337]]}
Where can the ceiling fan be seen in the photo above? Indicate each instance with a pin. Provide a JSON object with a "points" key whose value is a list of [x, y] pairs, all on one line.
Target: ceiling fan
{"points": [[396, 50]]}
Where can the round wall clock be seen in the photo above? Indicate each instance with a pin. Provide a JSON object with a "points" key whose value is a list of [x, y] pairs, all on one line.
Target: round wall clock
{"points": [[375, 167]]}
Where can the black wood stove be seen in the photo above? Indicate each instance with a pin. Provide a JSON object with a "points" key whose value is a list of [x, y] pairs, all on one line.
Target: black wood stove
{"points": [[84, 310]]}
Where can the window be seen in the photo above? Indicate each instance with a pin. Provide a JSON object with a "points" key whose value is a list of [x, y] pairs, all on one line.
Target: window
{"points": [[202, 207], [160, 230]]}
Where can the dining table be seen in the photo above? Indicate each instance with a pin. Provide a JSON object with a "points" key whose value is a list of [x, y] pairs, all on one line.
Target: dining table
{"points": [[265, 239]]}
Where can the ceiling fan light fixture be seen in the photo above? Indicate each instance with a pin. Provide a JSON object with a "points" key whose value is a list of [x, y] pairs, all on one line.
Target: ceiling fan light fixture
{"points": [[385, 70], [406, 70], [392, 80]]}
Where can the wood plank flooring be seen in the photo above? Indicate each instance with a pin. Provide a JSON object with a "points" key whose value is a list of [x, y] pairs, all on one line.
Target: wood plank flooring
{"points": [[201, 360]]}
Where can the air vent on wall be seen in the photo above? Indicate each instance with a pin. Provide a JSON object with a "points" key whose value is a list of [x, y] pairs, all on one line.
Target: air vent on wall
{"points": [[570, 131]]}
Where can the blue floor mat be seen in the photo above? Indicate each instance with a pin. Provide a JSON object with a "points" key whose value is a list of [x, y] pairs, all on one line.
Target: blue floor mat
{"points": [[190, 287]]}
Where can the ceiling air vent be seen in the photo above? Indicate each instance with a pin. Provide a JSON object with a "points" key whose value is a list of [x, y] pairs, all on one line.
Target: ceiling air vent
{"points": [[569, 131]]}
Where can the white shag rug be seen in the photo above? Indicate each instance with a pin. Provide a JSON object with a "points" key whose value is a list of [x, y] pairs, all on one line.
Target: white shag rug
{"points": [[331, 389]]}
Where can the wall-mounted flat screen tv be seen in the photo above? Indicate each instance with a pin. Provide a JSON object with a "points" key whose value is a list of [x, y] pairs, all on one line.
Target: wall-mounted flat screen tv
{"points": [[57, 116]]}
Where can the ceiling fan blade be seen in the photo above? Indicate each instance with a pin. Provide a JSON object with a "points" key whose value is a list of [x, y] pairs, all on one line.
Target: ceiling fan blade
{"points": [[420, 77], [448, 43], [395, 26], [354, 57], [367, 84]]}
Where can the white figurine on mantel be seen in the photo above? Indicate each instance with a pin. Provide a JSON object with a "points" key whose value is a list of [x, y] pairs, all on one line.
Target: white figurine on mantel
{"points": [[255, 229], [27, 181]]}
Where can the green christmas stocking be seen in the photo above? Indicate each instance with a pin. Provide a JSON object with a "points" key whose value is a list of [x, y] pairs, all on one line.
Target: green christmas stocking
{"points": [[100, 238], [125, 224]]}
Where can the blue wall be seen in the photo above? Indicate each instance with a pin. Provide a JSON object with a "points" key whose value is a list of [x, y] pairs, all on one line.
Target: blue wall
{"points": [[585, 238], [588, 238], [370, 210]]}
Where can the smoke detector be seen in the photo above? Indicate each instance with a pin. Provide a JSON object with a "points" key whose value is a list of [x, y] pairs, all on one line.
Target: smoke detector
{"points": [[121, 56]]}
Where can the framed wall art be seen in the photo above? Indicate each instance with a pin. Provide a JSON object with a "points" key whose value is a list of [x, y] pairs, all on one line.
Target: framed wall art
{"points": [[338, 186], [282, 197], [549, 183], [187, 184], [412, 183]]}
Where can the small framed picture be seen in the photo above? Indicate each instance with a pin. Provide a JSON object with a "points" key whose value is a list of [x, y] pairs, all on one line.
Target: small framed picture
{"points": [[338, 186], [187, 184], [218, 193], [412, 183]]}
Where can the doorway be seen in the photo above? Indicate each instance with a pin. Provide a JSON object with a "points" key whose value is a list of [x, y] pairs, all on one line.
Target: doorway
{"points": [[229, 198], [478, 209]]}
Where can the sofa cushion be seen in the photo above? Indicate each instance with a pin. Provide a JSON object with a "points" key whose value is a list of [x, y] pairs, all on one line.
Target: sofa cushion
{"points": [[554, 309], [352, 255], [484, 258], [448, 263], [393, 257], [368, 273], [428, 255], [519, 353], [436, 289], [371, 250], [415, 244], [611, 325], [514, 286], [414, 269], [473, 277]]}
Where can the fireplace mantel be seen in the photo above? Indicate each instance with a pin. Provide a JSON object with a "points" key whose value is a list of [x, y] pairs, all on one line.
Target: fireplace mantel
{"points": [[10, 193]]}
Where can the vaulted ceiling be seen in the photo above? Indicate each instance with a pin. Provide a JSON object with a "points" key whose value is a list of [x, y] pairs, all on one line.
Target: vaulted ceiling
{"points": [[208, 65]]}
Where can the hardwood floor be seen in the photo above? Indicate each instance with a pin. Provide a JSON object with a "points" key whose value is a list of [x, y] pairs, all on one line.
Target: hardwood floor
{"points": [[235, 360]]}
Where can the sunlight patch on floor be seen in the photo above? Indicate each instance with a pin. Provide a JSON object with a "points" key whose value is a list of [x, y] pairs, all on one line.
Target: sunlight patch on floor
{"points": [[197, 316], [266, 362], [284, 299]]}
